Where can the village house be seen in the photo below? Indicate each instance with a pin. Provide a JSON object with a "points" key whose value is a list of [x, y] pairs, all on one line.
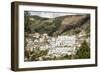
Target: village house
{"points": [[62, 45], [56, 46]]}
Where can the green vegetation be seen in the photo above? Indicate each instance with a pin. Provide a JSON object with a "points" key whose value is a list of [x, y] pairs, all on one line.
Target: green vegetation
{"points": [[84, 51], [77, 31], [55, 26], [34, 55], [27, 22], [39, 24]]}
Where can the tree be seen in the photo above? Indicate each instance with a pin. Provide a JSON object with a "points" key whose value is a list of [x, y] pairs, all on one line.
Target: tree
{"points": [[34, 55], [84, 51], [27, 21], [77, 31]]}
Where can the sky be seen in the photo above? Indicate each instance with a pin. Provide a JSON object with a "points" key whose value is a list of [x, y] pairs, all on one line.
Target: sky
{"points": [[50, 14]]}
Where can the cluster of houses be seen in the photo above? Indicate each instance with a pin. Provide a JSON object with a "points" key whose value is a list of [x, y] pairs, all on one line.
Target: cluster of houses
{"points": [[56, 46]]}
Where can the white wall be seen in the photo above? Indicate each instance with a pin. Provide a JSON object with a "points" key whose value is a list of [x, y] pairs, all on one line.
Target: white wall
{"points": [[5, 28]]}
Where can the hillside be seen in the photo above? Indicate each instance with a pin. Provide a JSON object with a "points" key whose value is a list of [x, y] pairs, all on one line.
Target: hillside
{"points": [[62, 25], [58, 38]]}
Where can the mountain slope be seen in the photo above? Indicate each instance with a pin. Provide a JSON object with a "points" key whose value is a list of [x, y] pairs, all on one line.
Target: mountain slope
{"points": [[68, 24]]}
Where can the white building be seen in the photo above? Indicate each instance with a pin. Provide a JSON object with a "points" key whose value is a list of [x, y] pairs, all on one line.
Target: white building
{"points": [[62, 45]]}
